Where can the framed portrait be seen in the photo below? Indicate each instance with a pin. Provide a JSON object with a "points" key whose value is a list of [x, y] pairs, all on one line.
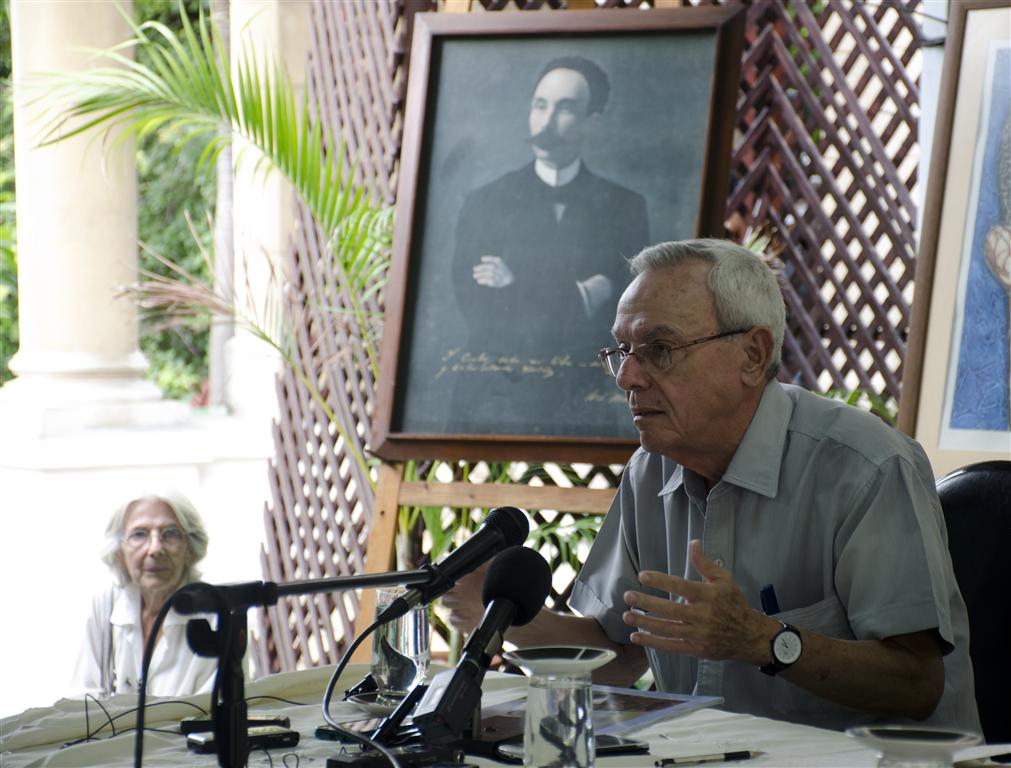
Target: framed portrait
{"points": [[956, 391], [542, 151]]}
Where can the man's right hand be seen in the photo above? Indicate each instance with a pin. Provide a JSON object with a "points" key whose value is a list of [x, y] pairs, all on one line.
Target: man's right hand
{"points": [[464, 600]]}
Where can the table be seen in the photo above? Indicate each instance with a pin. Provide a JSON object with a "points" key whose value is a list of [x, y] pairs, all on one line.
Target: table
{"points": [[33, 738]]}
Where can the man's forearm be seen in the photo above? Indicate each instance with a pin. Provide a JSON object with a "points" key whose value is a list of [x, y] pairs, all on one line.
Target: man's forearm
{"points": [[887, 677], [551, 628], [901, 676]]}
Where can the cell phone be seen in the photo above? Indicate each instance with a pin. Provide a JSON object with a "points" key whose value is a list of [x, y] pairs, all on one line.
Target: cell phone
{"points": [[606, 744], [260, 737], [199, 723], [329, 733]]}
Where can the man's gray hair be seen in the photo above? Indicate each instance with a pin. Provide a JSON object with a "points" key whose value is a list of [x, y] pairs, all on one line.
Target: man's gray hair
{"points": [[186, 515], [745, 291]]}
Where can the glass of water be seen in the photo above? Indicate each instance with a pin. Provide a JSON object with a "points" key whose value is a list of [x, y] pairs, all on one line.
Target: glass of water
{"points": [[400, 648], [559, 721]]}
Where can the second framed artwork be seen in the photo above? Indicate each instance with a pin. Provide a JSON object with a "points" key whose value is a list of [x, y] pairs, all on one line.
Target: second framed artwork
{"points": [[541, 151]]}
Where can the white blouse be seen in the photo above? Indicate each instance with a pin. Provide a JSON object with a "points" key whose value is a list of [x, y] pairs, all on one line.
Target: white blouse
{"points": [[113, 649]]}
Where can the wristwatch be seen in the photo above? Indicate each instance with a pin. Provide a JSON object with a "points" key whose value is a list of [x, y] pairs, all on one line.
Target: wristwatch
{"points": [[786, 649]]}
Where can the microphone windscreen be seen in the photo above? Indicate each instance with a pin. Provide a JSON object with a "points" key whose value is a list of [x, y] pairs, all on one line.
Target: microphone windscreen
{"points": [[521, 575], [512, 524]]}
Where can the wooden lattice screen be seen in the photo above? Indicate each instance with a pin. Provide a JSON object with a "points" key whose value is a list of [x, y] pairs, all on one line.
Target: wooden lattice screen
{"points": [[825, 161]]}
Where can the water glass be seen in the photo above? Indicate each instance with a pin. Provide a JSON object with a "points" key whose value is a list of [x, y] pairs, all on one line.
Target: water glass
{"points": [[559, 721], [400, 648]]}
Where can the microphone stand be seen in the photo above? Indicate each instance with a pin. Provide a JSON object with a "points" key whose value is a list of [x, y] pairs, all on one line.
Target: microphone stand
{"points": [[228, 643]]}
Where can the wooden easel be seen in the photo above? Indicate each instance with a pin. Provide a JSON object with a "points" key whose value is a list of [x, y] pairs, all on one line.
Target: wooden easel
{"points": [[393, 492]]}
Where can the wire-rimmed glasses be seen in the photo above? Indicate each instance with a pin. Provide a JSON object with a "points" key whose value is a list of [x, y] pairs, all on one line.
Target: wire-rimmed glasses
{"points": [[170, 538], [658, 356]]}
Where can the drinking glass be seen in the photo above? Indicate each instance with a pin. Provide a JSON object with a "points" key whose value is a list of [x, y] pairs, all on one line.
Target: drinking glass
{"points": [[559, 721], [400, 648]]}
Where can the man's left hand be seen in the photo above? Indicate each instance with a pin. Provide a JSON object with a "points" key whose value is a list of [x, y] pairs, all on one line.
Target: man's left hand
{"points": [[714, 621]]}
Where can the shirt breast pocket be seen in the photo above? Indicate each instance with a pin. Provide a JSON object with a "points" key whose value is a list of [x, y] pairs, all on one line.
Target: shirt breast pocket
{"points": [[827, 617]]}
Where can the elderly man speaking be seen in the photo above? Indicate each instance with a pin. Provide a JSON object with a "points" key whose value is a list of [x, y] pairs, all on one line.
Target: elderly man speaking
{"points": [[779, 549]]}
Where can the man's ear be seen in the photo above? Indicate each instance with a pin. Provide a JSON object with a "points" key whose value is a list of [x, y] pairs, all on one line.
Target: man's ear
{"points": [[757, 356]]}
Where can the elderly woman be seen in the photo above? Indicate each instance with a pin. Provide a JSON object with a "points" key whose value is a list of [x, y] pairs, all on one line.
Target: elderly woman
{"points": [[152, 546]]}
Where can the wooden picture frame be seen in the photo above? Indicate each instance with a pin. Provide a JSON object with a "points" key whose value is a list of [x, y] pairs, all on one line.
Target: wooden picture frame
{"points": [[955, 390], [506, 369]]}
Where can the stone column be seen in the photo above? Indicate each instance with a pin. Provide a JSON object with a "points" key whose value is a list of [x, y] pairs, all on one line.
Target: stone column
{"points": [[78, 365], [263, 206]]}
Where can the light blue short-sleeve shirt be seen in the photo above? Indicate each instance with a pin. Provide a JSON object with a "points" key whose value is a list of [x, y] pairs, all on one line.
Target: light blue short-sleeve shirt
{"points": [[828, 504]]}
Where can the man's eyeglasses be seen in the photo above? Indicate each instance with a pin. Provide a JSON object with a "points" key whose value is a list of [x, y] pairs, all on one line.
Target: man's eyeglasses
{"points": [[170, 538], [658, 356]]}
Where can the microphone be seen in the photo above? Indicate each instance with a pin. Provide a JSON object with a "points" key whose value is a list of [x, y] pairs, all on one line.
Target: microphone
{"points": [[517, 584], [504, 527]]}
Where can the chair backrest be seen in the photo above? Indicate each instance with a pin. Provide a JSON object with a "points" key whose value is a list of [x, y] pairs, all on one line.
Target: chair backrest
{"points": [[977, 510]]}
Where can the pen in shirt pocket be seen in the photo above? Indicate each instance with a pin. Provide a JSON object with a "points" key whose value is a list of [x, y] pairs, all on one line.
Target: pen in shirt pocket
{"points": [[769, 602]]}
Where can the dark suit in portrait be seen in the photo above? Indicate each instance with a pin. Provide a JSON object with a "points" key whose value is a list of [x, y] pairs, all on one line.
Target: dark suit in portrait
{"points": [[555, 239]]}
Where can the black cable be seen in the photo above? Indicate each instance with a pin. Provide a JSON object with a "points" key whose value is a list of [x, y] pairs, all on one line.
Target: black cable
{"points": [[270, 760], [87, 720], [278, 698], [284, 760], [111, 721], [166, 702], [347, 734], [123, 732]]}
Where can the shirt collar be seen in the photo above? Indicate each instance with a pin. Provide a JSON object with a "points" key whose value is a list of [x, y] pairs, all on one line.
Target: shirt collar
{"points": [[757, 460], [556, 177], [126, 608]]}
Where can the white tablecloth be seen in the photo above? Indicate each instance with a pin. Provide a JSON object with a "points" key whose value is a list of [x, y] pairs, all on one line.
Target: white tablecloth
{"points": [[34, 738]]}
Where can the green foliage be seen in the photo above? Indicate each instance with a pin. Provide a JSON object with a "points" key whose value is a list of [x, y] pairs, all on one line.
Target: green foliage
{"points": [[170, 187], [883, 408], [8, 256]]}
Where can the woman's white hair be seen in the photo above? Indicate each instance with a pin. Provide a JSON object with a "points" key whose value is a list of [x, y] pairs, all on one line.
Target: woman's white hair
{"points": [[745, 291], [187, 517]]}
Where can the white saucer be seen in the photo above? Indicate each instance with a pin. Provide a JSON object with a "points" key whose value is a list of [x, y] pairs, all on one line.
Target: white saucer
{"points": [[558, 659], [376, 703], [914, 745]]}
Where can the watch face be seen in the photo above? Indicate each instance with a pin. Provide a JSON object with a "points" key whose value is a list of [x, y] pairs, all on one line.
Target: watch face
{"points": [[787, 647]]}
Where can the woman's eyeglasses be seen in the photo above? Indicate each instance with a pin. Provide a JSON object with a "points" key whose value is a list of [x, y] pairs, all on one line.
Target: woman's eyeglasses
{"points": [[170, 538]]}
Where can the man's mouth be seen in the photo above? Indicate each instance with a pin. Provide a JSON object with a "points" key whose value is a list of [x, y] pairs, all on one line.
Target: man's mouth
{"points": [[546, 139], [639, 412]]}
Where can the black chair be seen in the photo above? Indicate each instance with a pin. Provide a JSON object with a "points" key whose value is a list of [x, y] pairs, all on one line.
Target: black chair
{"points": [[977, 510]]}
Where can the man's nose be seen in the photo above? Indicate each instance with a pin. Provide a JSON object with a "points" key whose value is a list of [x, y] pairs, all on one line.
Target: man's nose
{"points": [[631, 374]]}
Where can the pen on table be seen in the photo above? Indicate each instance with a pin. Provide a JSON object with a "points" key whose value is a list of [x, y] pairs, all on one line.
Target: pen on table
{"points": [[716, 757]]}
